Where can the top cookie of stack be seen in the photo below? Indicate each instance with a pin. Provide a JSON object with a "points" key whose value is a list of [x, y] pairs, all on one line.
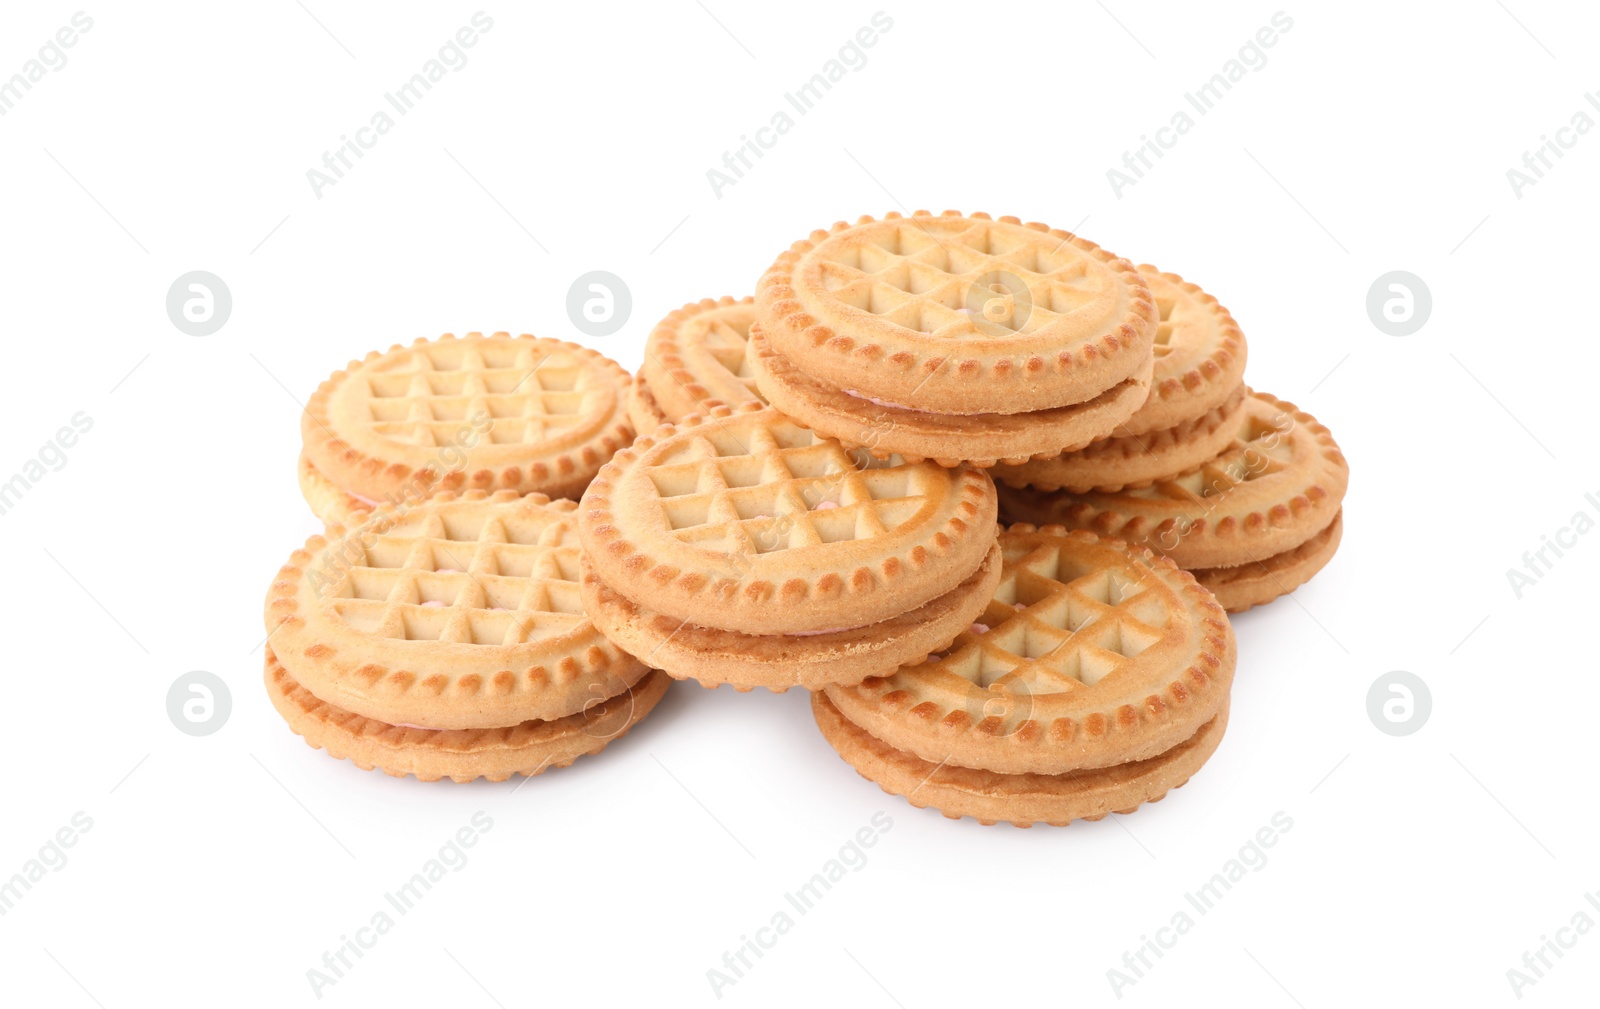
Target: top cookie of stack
{"points": [[954, 338]]}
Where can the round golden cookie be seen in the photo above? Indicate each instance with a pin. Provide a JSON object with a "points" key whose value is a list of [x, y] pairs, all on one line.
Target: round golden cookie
{"points": [[462, 755], [1091, 653], [779, 661], [1279, 484], [1199, 351], [1135, 460], [644, 413], [949, 439], [1239, 588], [695, 358], [746, 521], [958, 314], [330, 503], [1021, 799], [474, 412], [460, 612]]}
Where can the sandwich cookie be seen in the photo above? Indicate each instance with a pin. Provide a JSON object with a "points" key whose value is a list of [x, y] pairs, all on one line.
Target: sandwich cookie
{"points": [[448, 638], [1097, 679], [697, 358], [1254, 522], [1192, 411], [470, 413], [744, 548], [945, 324]]}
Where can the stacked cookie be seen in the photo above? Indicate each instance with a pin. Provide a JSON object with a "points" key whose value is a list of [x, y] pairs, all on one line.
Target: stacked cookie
{"points": [[446, 638], [1237, 486], [1252, 523], [744, 548], [436, 628], [954, 338], [1096, 680]]}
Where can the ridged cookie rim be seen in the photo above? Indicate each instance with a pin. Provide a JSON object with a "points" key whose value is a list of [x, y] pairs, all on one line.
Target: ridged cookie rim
{"points": [[1238, 537], [1201, 388], [1041, 434], [1132, 462], [974, 789], [345, 735], [644, 412], [1245, 586], [907, 638]]}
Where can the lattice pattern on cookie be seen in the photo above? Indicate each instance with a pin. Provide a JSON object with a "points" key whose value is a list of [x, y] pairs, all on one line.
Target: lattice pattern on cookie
{"points": [[780, 486], [726, 337], [524, 391], [960, 278], [1259, 449], [479, 574], [1055, 625]]}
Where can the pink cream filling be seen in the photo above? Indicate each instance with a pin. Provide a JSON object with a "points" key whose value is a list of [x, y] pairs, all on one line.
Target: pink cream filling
{"points": [[883, 402]]}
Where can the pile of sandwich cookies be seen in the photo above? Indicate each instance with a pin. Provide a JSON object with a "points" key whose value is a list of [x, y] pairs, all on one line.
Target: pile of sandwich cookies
{"points": [[799, 489]]}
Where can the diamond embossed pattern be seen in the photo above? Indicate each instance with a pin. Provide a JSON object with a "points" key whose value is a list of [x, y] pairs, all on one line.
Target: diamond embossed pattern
{"points": [[1055, 625], [961, 278], [525, 392], [471, 573], [1261, 448], [776, 487], [725, 337]]}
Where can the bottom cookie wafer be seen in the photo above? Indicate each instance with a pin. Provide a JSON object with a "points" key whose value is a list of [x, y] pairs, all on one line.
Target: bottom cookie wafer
{"points": [[1239, 588], [459, 754], [1022, 799]]}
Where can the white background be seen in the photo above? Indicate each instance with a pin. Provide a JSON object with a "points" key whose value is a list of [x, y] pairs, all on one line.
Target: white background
{"points": [[577, 137]]}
